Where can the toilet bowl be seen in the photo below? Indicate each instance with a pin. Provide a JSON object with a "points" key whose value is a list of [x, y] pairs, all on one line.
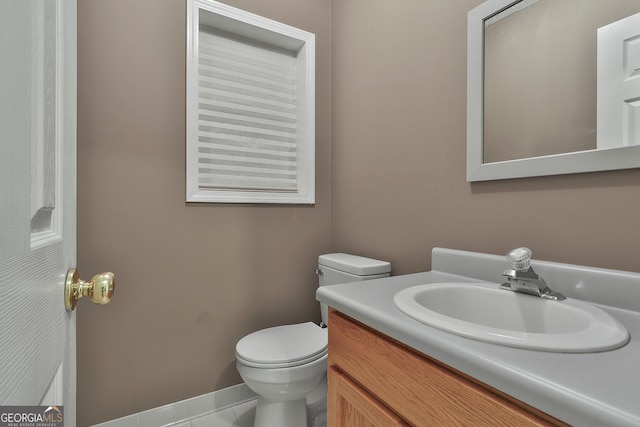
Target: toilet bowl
{"points": [[283, 365], [286, 366]]}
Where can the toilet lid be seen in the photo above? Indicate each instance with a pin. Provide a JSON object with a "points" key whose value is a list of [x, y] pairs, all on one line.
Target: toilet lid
{"points": [[283, 346]]}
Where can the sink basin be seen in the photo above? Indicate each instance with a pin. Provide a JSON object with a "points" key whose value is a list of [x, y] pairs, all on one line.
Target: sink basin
{"points": [[484, 312]]}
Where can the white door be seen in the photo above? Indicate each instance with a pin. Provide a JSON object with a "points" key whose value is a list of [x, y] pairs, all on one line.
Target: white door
{"points": [[37, 202], [618, 105]]}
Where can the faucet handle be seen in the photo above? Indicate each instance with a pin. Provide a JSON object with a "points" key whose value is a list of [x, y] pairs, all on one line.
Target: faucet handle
{"points": [[520, 258]]}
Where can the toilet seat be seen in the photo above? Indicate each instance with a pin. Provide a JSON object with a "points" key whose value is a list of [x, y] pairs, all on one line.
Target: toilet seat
{"points": [[283, 346]]}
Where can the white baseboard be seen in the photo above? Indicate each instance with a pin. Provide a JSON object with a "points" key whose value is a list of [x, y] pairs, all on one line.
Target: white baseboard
{"points": [[180, 412]]}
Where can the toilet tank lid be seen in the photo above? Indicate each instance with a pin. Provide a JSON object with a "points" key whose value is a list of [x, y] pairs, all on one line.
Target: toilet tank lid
{"points": [[354, 264]]}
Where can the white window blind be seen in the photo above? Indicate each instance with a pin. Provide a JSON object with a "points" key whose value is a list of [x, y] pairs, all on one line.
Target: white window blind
{"points": [[247, 115], [250, 116]]}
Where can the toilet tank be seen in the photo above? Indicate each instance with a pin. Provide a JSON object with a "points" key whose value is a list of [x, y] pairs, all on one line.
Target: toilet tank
{"points": [[343, 268]]}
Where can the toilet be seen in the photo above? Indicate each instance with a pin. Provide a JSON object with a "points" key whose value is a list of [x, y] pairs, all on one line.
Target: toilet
{"points": [[286, 366]]}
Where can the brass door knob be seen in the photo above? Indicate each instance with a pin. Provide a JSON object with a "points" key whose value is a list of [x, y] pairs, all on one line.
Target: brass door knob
{"points": [[99, 289]]}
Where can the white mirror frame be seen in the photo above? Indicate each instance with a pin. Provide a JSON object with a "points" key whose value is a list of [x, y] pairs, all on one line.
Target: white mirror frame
{"points": [[576, 162]]}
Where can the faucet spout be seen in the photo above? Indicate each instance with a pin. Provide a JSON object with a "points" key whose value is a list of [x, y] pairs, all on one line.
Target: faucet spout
{"points": [[529, 282]]}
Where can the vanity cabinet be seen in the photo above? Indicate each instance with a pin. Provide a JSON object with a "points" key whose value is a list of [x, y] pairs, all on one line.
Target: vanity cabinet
{"points": [[375, 381]]}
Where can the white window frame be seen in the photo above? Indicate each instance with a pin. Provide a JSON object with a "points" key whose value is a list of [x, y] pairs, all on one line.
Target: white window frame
{"points": [[253, 27]]}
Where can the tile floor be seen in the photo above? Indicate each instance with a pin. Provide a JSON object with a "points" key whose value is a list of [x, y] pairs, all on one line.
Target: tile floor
{"points": [[231, 407], [236, 416], [241, 415]]}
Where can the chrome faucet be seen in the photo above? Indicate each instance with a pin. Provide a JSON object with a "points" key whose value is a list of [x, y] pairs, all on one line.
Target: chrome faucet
{"points": [[522, 278]]}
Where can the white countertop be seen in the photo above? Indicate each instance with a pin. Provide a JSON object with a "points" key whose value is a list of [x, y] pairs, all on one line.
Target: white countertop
{"points": [[592, 389]]}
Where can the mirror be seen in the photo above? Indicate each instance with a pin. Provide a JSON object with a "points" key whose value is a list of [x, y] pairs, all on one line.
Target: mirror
{"points": [[536, 97]]}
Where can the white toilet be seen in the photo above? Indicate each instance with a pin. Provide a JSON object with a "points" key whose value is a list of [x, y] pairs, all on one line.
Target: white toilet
{"points": [[286, 366]]}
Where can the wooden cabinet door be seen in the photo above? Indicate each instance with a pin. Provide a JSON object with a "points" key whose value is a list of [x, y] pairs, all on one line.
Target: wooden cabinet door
{"points": [[351, 406]]}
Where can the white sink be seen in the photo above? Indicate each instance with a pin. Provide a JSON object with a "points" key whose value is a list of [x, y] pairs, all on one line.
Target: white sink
{"points": [[484, 312]]}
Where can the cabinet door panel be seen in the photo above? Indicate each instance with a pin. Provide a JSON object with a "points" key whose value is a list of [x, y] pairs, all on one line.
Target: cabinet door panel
{"points": [[350, 406]]}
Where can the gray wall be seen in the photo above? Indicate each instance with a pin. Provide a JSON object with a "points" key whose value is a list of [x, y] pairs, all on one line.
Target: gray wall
{"points": [[391, 156], [399, 154], [191, 279]]}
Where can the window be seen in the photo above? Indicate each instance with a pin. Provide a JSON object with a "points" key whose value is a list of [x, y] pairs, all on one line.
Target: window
{"points": [[250, 108]]}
